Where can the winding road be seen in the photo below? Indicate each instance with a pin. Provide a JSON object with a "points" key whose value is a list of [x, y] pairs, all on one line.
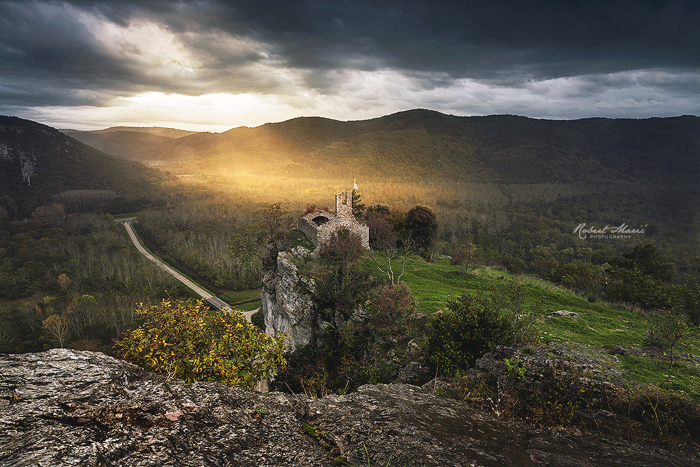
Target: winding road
{"points": [[212, 299]]}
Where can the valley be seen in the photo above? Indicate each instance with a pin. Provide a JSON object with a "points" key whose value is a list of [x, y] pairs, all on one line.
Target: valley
{"points": [[507, 194]]}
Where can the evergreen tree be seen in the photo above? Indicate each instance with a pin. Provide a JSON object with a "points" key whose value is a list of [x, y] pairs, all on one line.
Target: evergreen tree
{"points": [[358, 208]]}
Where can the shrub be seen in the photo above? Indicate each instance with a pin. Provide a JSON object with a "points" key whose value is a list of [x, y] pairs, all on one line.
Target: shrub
{"points": [[475, 324], [469, 328], [666, 329], [513, 264], [656, 415], [509, 299], [392, 309], [185, 340]]}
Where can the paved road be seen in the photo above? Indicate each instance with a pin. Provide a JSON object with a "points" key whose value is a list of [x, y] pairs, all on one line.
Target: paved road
{"points": [[212, 299], [216, 302]]}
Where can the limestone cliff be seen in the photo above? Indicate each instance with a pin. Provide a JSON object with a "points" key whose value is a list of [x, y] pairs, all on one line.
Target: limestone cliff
{"points": [[291, 308], [65, 407], [287, 302]]}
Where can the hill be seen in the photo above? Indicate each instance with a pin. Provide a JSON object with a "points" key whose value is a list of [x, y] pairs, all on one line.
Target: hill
{"points": [[134, 143], [38, 162], [151, 130], [421, 144]]}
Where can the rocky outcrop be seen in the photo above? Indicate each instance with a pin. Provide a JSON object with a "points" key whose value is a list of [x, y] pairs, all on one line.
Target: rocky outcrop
{"points": [[80, 408], [290, 307], [66, 407], [575, 386], [287, 302]]}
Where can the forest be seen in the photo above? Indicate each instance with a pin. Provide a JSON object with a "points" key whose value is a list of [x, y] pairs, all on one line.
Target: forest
{"points": [[81, 270], [480, 228], [433, 286], [81, 267]]}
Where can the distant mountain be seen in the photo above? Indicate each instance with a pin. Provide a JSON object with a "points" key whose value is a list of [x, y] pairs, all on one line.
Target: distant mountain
{"points": [[422, 144], [136, 143], [151, 130], [37, 162]]}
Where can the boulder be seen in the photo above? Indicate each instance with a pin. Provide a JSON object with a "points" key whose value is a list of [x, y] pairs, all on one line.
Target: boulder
{"points": [[563, 314], [415, 373], [65, 407]]}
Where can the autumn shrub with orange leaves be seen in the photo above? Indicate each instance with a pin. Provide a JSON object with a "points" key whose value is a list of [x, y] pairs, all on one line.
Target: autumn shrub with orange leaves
{"points": [[186, 340]]}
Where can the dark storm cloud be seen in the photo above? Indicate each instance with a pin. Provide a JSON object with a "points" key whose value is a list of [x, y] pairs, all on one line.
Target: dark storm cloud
{"points": [[480, 38], [50, 55]]}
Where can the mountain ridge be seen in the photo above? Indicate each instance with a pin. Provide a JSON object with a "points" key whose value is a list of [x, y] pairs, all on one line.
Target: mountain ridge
{"points": [[425, 144], [38, 162]]}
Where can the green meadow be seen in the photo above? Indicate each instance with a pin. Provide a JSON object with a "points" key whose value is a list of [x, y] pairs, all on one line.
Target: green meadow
{"points": [[599, 324]]}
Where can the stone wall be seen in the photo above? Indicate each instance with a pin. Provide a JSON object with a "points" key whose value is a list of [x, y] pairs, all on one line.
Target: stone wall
{"points": [[343, 218], [310, 229], [345, 222]]}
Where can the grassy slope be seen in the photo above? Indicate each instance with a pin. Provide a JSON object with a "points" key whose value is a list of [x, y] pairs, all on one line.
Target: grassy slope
{"points": [[599, 324], [244, 300]]}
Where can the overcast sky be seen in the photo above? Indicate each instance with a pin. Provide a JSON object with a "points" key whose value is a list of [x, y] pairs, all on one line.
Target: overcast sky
{"points": [[213, 65]]}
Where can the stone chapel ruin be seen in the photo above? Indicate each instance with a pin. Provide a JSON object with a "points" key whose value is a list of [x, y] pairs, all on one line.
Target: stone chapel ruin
{"points": [[319, 224]]}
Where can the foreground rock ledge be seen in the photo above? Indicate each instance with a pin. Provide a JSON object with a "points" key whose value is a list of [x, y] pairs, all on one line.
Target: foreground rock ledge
{"points": [[66, 407]]}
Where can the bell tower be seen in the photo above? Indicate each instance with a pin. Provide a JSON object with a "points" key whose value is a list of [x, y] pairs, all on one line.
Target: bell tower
{"points": [[343, 204]]}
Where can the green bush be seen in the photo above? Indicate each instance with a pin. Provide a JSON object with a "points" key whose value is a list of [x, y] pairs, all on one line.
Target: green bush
{"points": [[185, 340], [635, 287], [474, 324], [469, 328], [258, 319], [392, 308], [509, 298]]}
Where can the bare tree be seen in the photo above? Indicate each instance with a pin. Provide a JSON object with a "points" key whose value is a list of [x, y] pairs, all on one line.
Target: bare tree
{"points": [[57, 327], [7, 333], [464, 254], [391, 248]]}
